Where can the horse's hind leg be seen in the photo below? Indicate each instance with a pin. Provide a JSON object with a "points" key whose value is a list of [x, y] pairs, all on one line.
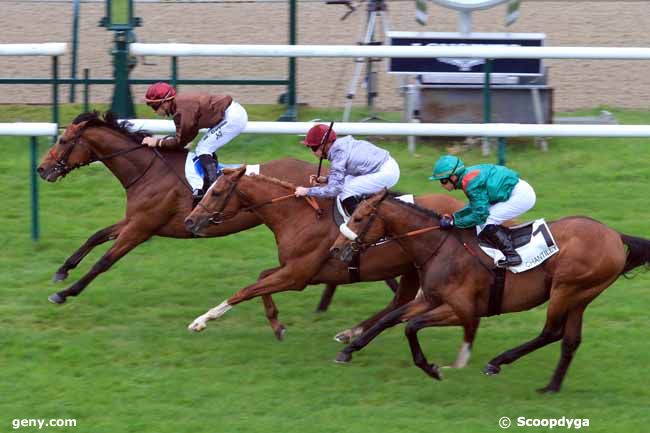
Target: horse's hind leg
{"points": [[406, 291], [326, 298], [570, 343], [98, 238], [552, 332], [130, 237], [328, 294], [271, 310]]}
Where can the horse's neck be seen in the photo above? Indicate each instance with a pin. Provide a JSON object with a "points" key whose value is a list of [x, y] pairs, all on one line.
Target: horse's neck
{"points": [[126, 166], [278, 215], [401, 219]]}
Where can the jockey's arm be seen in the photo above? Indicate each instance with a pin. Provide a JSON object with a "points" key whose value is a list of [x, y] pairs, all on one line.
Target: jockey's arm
{"points": [[186, 131], [476, 212]]}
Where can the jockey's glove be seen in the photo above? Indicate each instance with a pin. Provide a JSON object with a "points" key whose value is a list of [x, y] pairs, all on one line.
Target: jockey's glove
{"points": [[446, 222]]}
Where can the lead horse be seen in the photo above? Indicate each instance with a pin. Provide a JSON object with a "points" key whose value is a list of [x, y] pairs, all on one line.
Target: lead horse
{"points": [[158, 197], [303, 239], [591, 257]]}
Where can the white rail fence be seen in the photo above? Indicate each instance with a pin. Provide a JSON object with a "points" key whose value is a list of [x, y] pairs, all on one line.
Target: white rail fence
{"points": [[426, 129], [482, 52]]}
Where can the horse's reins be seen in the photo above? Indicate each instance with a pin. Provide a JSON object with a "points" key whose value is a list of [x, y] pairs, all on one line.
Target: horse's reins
{"points": [[233, 185], [359, 245]]}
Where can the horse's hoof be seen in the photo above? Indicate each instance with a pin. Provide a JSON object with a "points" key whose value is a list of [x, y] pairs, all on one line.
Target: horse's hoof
{"points": [[435, 372], [343, 337], [491, 370], [280, 332], [196, 326], [59, 276], [343, 358], [548, 390], [56, 299]]}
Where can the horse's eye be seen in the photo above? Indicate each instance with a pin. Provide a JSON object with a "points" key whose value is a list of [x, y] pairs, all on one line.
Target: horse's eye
{"points": [[357, 219], [215, 194]]}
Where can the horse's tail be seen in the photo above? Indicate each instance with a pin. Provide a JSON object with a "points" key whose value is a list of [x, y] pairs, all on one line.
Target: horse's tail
{"points": [[638, 252]]}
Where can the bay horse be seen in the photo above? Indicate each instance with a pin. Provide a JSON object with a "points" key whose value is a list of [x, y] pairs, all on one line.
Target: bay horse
{"points": [[303, 239], [158, 197], [453, 270]]}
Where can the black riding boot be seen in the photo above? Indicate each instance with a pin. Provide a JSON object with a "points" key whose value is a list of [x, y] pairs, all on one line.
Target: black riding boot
{"points": [[350, 204], [209, 166], [498, 236]]}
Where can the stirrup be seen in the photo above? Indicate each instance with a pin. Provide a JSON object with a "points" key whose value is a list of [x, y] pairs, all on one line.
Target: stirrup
{"points": [[197, 195]]}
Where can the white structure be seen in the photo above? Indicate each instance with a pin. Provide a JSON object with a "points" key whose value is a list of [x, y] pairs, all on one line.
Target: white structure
{"points": [[426, 129]]}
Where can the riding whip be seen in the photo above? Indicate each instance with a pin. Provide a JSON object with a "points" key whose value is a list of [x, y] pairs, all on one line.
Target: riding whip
{"points": [[321, 146]]}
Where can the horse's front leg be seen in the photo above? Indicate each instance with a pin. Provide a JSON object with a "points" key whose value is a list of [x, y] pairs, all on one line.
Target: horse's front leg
{"points": [[417, 306], [98, 238], [406, 291], [286, 278], [130, 237]]}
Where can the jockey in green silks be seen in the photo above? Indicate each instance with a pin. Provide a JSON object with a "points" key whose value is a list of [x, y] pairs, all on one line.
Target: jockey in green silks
{"points": [[496, 194]]}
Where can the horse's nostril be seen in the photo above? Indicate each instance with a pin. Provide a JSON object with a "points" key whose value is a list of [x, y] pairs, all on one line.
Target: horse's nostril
{"points": [[39, 170], [189, 223]]}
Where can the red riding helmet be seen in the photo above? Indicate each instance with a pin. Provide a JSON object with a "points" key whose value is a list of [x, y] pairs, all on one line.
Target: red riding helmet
{"points": [[159, 92], [316, 134]]}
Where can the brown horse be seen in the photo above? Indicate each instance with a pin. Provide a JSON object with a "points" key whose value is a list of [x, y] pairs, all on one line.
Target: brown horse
{"points": [[303, 240], [158, 197], [591, 257]]}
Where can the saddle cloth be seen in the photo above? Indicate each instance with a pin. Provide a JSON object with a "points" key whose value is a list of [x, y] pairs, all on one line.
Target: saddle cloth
{"points": [[533, 241]]}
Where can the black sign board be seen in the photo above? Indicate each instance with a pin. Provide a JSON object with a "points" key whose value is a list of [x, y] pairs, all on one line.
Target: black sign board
{"points": [[465, 65]]}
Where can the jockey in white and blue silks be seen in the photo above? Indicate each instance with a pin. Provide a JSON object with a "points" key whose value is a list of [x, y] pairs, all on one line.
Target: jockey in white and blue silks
{"points": [[358, 168]]}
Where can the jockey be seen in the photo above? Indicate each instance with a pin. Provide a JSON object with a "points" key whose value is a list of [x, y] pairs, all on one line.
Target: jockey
{"points": [[358, 168], [224, 118], [496, 194]]}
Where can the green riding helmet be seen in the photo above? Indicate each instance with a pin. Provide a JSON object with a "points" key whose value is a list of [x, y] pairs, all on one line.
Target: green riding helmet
{"points": [[447, 166]]}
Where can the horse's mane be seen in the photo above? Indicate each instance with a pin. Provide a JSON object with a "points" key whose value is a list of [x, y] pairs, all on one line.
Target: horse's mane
{"points": [[422, 210], [110, 121], [274, 180]]}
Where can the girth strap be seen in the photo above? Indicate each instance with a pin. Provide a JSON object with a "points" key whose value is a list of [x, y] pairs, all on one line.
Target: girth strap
{"points": [[354, 267], [496, 292]]}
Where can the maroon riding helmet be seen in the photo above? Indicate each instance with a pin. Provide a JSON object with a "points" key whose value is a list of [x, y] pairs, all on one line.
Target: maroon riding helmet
{"points": [[316, 134], [158, 93]]}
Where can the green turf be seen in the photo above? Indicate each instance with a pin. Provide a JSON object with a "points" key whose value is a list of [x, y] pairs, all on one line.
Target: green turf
{"points": [[119, 359]]}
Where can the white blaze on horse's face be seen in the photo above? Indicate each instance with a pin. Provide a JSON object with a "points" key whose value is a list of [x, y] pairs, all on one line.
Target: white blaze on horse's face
{"points": [[347, 232]]}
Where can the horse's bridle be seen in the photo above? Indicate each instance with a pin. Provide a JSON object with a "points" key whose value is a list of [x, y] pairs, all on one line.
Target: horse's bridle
{"points": [[217, 217], [61, 164]]}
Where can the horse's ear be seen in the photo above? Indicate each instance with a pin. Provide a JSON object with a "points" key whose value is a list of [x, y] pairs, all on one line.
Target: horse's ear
{"points": [[381, 194], [240, 171]]}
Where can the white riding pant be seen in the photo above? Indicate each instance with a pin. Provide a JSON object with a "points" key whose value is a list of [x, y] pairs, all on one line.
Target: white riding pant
{"points": [[386, 177], [232, 124], [521, 200]]}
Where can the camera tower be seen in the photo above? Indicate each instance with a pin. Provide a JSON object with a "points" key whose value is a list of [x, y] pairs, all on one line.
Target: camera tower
{"points": [[377, 10]]}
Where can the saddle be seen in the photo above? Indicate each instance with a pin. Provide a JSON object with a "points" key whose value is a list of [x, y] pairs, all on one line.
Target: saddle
{"points": [[533, 241]]}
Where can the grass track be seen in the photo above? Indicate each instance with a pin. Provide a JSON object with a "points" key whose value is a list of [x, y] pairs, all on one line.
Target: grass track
{"points": [[118, 358]]}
